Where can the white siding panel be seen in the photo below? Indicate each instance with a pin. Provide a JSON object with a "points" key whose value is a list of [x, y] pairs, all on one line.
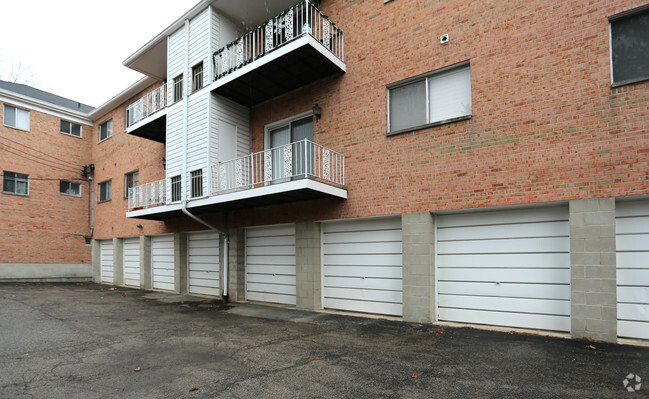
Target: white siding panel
{"points": [[106, 261], [632, 240], [162, 262], [508, 268], [199, 45], [362, 269], [270, 264], [204, 263], [131, 252]]}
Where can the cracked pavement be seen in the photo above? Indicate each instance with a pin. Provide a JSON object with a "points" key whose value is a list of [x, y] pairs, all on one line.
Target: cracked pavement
{"points": [[86, 340]]}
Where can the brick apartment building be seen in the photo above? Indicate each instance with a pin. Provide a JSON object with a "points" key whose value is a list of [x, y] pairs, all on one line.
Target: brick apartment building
{"points": [[471, 162]]}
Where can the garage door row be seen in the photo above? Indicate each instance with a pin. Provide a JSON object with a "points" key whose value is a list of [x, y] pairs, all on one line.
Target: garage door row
{"points": [[202, 262], [506, 268]]}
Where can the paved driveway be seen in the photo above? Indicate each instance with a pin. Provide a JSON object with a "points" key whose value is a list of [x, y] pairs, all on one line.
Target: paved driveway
{"points": [[87, 340]]}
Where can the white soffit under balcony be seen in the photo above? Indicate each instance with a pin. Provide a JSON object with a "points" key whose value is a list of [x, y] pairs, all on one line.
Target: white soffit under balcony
{"points": [[252, 13]]}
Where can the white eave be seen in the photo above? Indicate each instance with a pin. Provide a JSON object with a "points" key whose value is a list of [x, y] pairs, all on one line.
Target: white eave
{"points": [[21, 100], [116, 101]]}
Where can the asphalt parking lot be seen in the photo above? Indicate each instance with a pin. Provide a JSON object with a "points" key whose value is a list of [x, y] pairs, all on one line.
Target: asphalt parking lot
{"points": [[91, 341]]}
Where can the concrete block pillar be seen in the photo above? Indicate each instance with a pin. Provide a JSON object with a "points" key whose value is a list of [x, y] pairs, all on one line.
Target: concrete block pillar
{"points": [[96, 261], [593, 269], [145, 262], [180, 262], [118, 261], [309, 265], [418, 246], [236, 265]]}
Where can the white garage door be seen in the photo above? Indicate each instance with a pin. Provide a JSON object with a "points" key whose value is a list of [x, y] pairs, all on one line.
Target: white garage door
{"points": [[106, 261], [162, 262], [131, 249], [506, 268], [632, 232], [203, 263], [362, 269], [270, 264]]}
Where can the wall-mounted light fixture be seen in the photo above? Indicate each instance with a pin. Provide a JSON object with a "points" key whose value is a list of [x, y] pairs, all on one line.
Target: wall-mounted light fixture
{"points": [[317, 112]]}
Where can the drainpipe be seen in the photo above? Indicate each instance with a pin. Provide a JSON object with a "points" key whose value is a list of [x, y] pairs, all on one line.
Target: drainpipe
{"points": [[185, 178]]}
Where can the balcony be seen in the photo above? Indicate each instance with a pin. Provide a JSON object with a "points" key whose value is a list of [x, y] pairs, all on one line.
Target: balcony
{"points": [[147, 116], [295, 48], [298, 171]]}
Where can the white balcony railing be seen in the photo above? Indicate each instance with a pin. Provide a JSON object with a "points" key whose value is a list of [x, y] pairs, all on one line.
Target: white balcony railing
{"points": [[147, 195], [148, 105], [301, 19], [300, 160]]}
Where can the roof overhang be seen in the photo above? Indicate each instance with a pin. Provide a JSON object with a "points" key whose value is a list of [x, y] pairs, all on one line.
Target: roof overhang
{"points": [[116, 101], [45, 107]]}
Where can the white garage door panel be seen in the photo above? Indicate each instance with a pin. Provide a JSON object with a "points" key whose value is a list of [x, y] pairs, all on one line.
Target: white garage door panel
{"points": [[270, 264], [506, 290], [162, 262], [106, 261], [362, 268], [509, 319], [632, 240], [131, 248], [203, 263], [509, 268], [533, 260], [543, 306]]}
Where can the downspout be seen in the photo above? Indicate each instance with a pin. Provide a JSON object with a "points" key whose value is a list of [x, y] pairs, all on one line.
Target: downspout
{"points": [[185, 178], [92, 206]]}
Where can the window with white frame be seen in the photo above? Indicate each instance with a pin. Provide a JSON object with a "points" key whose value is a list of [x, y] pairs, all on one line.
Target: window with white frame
{"points": [[630, 46], [178, 88], [176, 186], [15, 183], [197, 183], [70, 128], [70, 188], [131, 180], [105, 191], [197, 77], [106, 130], [438, 97], [16, 117]]}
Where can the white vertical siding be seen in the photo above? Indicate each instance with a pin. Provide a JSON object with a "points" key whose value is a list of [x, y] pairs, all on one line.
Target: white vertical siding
{"points": [[197, 138], [174, 145], [131, 261], [106, 261], [162, 262], [229, 31], [203, 263], [362, 266], [233, 114], [215, 34], [175, 59], [508, 268], [199, 46], [632, 241], [270, 264]]}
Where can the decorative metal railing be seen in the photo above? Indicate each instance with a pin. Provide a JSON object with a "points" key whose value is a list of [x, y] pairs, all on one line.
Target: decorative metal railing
{"points": [[303, 159], [147, 195], [148, 105], [301, 19]]}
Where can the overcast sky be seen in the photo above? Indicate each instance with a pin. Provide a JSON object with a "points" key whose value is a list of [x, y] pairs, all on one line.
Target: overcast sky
{"points": [[75, 48]]}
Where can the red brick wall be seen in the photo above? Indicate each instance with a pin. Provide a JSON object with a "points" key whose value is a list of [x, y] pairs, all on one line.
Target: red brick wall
{"points": [[46, 226], [546, 125]]}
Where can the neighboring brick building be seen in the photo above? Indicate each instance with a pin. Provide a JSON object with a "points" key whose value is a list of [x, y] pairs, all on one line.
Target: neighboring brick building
{"points": [[459, 162]]}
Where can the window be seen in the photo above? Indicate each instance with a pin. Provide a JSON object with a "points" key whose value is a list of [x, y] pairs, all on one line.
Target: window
{"points": [[70, 188], [630, 46], [197, 77], [197, 183], [178, 88], [15, 183], [105, 191], [70, 128], [440, 97], [16, 117], [131, 180], [175, 189], [106, 130]]}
